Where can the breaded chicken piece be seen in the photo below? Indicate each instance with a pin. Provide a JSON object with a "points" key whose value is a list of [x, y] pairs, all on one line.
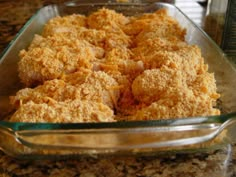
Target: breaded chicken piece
{"points": [[93, 36], [106, 17], [187, 59], [163, 26], [169, 95], [154, 84], [156, 29], [63, 112], [95, 86], [51, 58], [100, 87], [138, 23], [56, 42], [181, 104], [57, 90], [73, 26], [111, 22], [163, 30], [67, 24]]}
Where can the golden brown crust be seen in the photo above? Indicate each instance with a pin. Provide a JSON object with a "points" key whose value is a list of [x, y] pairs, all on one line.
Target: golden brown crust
{"points": [[106, 17], [63, 112], [66, 25], [181, 103], [94, 86], [51, 57], [154, 84]]}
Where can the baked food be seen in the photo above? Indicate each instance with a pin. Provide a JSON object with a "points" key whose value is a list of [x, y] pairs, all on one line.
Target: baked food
{"points": [[126, 68]]}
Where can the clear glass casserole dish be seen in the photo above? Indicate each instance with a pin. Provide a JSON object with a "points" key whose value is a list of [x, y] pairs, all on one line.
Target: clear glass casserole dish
{"points": [[30, 140]]}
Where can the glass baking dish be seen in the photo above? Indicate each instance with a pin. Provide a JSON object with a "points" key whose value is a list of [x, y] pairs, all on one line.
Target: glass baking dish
{"points": [[48, 140]]}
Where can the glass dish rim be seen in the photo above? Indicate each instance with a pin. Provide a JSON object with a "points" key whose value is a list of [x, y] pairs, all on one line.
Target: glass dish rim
{"points": [[20, 133]]}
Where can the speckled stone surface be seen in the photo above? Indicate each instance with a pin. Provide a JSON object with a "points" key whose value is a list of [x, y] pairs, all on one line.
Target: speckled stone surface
{"points": [[219, 163], [215, 164], [14, 14]]}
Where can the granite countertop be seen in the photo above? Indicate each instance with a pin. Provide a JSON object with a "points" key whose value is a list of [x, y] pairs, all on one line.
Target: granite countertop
{"points": [[13, 15]]}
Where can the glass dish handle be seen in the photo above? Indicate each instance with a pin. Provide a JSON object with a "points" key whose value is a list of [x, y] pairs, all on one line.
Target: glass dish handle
{"points": [[21, 142]]}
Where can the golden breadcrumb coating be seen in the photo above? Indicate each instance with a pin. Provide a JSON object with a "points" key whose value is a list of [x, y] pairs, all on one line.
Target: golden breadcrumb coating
{"points": [[93, 36], [157, 24], [119, 59], [154, 84], [100, 87], [183, 103], [204, 85], [95, 86], [116, 39], [138, 23], [73, 26], [106, 66], [106, 17], [63, 112], [148, 46], [67, 24], [169, 95], [56, 42], [57, 90], [49, 58], [112, 23], [187, 59], [163, 30]]}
